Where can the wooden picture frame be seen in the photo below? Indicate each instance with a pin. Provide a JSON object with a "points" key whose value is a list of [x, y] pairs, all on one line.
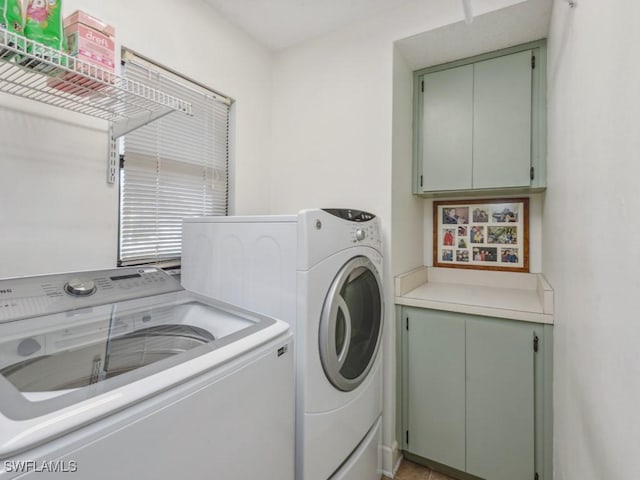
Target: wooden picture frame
{"points": [[486, 234]]}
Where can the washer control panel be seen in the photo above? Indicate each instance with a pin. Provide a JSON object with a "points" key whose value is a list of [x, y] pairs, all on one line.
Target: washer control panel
{"points": [[80, 287], [43, 295]]}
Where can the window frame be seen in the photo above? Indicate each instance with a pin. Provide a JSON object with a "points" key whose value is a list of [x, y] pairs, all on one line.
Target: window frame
{"points": [[165, 74]]}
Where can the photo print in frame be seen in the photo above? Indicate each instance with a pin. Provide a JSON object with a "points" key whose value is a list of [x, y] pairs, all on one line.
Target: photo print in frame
{"points": [[484, 234]]}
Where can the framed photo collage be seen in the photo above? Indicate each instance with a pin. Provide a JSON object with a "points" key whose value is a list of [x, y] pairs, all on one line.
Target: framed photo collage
{"points": [[490, 234]]}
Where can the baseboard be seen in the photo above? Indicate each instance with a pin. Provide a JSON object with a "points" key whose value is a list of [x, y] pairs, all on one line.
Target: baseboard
{"points": [[391, 458]]}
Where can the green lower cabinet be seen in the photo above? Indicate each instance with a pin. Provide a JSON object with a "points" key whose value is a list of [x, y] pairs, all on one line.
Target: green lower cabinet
{"points": [[476, 391], [500, 399], [436, 388]]}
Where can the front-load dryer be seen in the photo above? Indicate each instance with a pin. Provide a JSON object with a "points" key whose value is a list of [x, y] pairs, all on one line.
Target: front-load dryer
{"points": [[319, 270]]}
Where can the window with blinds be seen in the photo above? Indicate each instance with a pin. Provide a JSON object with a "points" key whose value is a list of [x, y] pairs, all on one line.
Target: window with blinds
{"points": [[173, 168]]}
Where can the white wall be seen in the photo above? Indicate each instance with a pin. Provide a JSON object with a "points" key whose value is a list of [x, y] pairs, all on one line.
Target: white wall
{"points": [[332, 108], [407, 223], [56, 210], [591, 231], [332, 132], [406, 219]]}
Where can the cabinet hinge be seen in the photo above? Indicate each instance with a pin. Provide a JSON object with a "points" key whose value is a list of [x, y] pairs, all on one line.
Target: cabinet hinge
{"points": [[121, 162], [420, 180], [407, 324], [422, 86], [532, 173], [536, 343], [407, 437], [533, 61], [536, 476]]}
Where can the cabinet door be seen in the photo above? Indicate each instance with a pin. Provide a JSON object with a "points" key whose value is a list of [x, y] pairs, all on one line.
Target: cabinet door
{"points": [[435, 386], [502, 121], [500, 399], [447, 130]]}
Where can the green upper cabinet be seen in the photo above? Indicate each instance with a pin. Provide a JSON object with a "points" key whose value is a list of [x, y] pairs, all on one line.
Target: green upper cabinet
{"points": [[480, 123], [447, 129], [502, 121]]}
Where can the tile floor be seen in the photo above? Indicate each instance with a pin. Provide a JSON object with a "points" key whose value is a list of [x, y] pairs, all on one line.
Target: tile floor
{"points": [[411, 471]]}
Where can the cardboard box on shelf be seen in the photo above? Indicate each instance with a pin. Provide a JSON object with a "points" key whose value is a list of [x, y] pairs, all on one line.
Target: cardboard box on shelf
{"points": [[92, 41], [92, 22]]}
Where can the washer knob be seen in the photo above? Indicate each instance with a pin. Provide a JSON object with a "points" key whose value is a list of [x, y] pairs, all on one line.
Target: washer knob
{"points": [[360, 234], [79, 287]]}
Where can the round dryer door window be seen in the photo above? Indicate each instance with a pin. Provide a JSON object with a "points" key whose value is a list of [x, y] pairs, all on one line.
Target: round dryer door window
{"points": [[351, 324]]}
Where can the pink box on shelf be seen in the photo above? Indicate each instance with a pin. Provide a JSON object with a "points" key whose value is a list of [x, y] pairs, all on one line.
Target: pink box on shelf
{"points": [[92, 22], [91, 45], [92, 41]]}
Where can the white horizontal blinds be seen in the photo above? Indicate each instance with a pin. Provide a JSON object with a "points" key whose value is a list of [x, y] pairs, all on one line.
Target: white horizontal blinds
{"points": [[174, 168]]}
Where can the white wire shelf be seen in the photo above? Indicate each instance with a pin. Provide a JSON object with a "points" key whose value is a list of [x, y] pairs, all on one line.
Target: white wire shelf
{"points": [[31, 70]]}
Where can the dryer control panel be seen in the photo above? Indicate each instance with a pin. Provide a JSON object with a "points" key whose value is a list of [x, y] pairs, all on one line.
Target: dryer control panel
{"points": [[322, 233], [364, 227], [27, 297], [351, 215], [368, 234]]}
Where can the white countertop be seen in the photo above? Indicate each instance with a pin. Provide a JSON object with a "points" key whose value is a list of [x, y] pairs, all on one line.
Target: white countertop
{"points": [[516, 296]]}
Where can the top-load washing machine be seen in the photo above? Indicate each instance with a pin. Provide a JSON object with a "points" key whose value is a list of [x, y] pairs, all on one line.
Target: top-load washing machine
{"points": [[320, 271], [124, 374]]}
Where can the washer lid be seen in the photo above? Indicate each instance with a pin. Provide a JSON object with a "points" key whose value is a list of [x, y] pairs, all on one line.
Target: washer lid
{"points": [[63, 370]]}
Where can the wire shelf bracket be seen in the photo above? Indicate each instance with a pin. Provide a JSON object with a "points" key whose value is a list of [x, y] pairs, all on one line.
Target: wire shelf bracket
{"points": [[127, 125], [113, 157]]}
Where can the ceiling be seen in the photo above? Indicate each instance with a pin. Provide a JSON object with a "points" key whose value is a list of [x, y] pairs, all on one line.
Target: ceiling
{"points": [[520, 23], [280, 24]]}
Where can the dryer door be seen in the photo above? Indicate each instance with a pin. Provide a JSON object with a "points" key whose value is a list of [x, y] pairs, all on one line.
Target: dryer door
{"points": [[351, 324]]}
